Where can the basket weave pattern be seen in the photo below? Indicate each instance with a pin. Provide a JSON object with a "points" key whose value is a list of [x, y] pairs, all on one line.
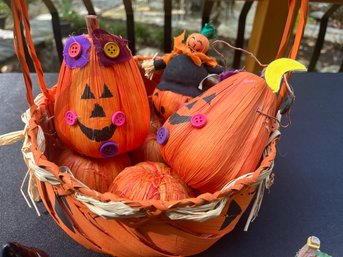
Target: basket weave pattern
{"points": [[101, 211]]}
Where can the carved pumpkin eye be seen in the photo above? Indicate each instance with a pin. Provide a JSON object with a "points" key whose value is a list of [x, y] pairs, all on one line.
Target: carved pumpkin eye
{"points": [[189, 106], [176, 118], [87, 93], [209, 98], [106, 93]]}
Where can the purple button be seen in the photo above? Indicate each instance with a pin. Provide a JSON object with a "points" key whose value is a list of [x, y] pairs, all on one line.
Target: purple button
{"points": [[118, 118], [108, 149], [162, 135], [70, 117], [198, 120]]}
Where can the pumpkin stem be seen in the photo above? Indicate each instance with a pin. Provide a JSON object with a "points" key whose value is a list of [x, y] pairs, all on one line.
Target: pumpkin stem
{"points": [[92, 23]]}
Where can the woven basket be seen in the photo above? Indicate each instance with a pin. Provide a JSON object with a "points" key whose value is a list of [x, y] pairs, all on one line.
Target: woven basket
{"points": [[105, 222]]}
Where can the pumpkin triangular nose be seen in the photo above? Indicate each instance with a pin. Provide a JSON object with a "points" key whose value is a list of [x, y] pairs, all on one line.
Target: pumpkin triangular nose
{"points": [[98, 111]]}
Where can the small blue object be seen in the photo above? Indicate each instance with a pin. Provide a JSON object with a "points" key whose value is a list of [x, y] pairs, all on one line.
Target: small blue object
{"points": [[162, 135], [109, 149]]}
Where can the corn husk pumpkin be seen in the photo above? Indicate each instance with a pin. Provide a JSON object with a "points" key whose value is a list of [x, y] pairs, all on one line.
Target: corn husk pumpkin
{"points": [[101, 105], [150, 181], [98, 174], [148, 151], [221, 134]]}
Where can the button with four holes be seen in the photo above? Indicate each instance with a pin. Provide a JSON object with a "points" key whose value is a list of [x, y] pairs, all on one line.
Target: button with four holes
{"points": [[162, 135], [74, 50], [199, 120], [70, 117], [111, 50], [118, 118], [109, 149]]}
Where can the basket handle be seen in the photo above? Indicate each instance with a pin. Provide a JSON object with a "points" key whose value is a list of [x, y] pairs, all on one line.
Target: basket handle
{"points": [[21, 16], [292, 14]]}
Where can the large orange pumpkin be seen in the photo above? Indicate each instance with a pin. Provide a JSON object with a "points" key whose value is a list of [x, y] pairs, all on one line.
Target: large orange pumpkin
{"points": [[101, 105], [98, 174], [221, 134]]}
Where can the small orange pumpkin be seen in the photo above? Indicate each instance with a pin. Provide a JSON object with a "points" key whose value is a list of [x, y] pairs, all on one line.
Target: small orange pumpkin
{"points": [[150, 181], [221, 134], [148, 151], [167, 102], [197, 42], [101, 105], [98, 174]]}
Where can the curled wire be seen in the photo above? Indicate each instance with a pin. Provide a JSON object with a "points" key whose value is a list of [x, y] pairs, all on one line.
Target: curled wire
{"points": [[236, 48]]}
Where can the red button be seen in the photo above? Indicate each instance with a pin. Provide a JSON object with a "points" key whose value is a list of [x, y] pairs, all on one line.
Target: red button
{"points": [[198, 120], [70, 117], [74, 50], [118, 118]]}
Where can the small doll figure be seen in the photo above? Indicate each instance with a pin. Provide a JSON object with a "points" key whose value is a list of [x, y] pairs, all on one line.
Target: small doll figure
{"points": [[311, 249], [184, 68]]}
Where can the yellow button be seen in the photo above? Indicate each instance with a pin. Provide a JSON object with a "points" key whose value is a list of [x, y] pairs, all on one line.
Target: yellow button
{"points": [[111, 50]]}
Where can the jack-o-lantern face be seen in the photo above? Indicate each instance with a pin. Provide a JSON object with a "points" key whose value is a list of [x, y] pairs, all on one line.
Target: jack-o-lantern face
{"points": [[220, 134], [106, 132], [96, 103], [197, 43]]}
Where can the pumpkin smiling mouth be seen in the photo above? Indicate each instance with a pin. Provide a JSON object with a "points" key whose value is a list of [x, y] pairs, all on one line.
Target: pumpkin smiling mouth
{"points": [[98, 135]]}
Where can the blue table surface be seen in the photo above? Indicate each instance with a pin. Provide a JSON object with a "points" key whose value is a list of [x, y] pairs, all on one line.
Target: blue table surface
{"points": [[306, 198]]}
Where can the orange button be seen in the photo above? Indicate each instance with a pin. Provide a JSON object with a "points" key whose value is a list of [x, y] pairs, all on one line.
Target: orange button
{"points": [[111, 50]]}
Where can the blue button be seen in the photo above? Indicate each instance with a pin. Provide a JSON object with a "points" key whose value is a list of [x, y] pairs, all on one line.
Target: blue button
{"points": [[109, 149], [162, 135]]}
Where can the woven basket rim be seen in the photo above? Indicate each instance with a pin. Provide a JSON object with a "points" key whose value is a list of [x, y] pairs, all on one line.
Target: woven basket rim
{"points": [[33, 152]]}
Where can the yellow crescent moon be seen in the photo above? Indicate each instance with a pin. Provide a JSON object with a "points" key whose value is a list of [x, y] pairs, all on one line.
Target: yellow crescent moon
{"points": [[275, 70]]}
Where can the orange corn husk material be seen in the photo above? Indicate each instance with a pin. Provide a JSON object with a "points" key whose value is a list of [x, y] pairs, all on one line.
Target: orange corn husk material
{"points": [[125, 92], [156, 120], [167, 102], [98, 174], [148, 151], [149, 181], [238, 111]]}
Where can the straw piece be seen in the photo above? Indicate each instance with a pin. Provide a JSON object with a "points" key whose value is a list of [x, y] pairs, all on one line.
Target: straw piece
{"points": [[11, 138]]}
